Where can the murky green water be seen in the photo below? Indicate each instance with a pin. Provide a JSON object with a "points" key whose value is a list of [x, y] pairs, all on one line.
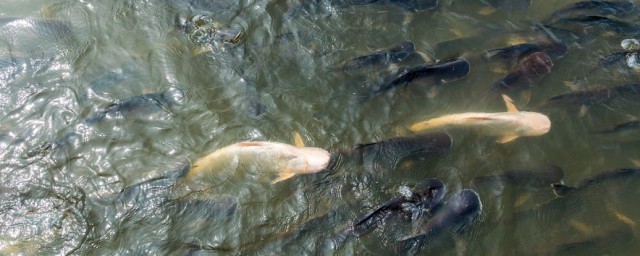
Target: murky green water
{"points": [[83, 176]]}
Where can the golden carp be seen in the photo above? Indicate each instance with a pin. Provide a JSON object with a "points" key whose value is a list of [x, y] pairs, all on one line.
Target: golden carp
{"points": [[284, 159], [506, 125]]}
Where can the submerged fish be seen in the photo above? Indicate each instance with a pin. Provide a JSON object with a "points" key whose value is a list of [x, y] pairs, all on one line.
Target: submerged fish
{"points": [[627, 131], [506, 125], [541, 177], [584, 23], [460, 211], [141, 106], [591, 96], [595, 7], [394, 54], [446, 71], [623, 175], [284, 159], [393, 151], [554, 50], [422, 199], [529, 71]]}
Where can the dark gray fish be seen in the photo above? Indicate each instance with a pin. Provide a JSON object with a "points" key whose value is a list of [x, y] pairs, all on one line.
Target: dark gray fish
{"points": [[140, 107], [580, 24], [459, 212], [623, 132], [592, 96], [542, 177], [389, 153], [554, 50], [415, 5], [442, 72], [622, 175], [530, 70], [612, 59], [394, 54], [424, 198], [594, 7], [407, 5]]}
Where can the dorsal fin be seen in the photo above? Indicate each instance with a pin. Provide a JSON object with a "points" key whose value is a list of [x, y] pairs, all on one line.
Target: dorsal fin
{"points": [[509, 102], [298, 140]]}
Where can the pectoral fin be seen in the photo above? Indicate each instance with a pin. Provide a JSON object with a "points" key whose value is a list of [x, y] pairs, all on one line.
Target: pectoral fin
{"points": [[507, 138], [509, 102], [283, 175], [298, 140], [583, 110]]}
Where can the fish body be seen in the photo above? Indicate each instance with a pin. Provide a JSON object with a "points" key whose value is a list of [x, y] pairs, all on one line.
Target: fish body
{"points": [[263, 156], [460, 211], [528, 71], [592, 7], [583, 22], [622, 132], [554, 50], [540, 178], [441, 72], [507, 125], [394, 150], [394, 54], [592, 96], [615, 178], [421, 200]]}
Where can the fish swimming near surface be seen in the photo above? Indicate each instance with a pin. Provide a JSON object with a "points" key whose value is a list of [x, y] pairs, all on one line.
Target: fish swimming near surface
{"points": [[621, 176], [442, 72], [394, 54], [389, 153], [265, 156], [589, 97], [453, 218], [508, 126], [530, 70], [622, 132], [553, 49], [422, 199], [595, 7]]}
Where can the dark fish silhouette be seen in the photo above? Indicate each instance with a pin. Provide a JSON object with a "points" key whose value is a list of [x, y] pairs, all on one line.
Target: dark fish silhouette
{"points": [[541, 177], [442, 72], [394, 54], [593, 7], [622, 132], [591, 96], [389, 153], [140, 106], [584, 24], [622, 175], [530, 70], [460, 211], [554, 50], [424, 198]]}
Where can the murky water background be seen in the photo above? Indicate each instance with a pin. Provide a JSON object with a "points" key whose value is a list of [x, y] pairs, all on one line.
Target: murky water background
{"points": [[70, 159]]}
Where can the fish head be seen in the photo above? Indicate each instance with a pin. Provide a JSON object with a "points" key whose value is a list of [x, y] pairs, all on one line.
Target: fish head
{"points": [[311, 160], [465, 207], [533, 124], [429, 193]]}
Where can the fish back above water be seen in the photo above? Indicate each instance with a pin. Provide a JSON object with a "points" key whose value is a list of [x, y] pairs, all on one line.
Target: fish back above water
{"points": [[394, 54], [442, 72], [460, 211]]}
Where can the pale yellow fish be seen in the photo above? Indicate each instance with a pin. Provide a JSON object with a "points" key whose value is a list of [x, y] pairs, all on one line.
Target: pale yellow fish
{"points": [[624, 218], [508, 126], [279, 158]]}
